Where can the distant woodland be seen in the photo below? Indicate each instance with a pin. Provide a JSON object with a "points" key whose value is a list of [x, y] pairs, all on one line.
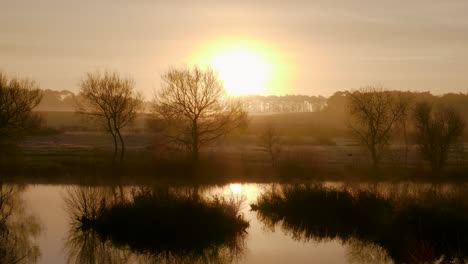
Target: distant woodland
{"points": [[64, 101], [290, 114]]}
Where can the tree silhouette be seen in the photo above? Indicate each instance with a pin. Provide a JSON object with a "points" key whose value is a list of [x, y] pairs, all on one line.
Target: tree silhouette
{"points": [[194, 106], [18, 98], [270, 142], [374, 114], [437, 130], [111, 100]]}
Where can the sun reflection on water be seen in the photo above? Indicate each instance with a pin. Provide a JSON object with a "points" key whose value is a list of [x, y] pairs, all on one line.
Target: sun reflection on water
{"points": [[236, 188]]}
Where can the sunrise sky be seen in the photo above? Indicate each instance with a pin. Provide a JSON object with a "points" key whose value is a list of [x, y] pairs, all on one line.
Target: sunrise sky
{"points": [[263, 47]]}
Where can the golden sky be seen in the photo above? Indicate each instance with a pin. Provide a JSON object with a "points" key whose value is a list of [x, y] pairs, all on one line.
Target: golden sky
{"points": [[299, 47]]}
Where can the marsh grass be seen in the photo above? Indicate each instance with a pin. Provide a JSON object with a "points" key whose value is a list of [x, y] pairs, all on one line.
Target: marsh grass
{"points": [[160, 219], [180, 227], [68, 157], [412, 228]]}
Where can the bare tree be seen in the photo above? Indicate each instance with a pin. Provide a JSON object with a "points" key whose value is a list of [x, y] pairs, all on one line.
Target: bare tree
{"points": [[194, 106], [374, 115], [403, 123], [438, 129], [18, 98], [111, 100], [271, 143]]}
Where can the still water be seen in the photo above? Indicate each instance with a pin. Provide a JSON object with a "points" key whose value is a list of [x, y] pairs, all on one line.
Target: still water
{"points": [[45, 225]]}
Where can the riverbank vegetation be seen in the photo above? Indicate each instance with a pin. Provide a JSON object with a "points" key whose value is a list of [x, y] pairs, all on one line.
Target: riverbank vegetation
{"points": [[161, 224], [424, 226]]}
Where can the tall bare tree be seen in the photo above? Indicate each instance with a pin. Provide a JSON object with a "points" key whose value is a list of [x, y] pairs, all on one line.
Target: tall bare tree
{"points": [[437, 130], [111, 100], [193, 104], [270, 142], [18, 98], [374, 115]]}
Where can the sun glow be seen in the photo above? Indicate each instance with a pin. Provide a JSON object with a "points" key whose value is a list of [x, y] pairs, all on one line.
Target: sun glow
{"points": [[248, 191], [236, 188], [244, 67], [242, 71]]}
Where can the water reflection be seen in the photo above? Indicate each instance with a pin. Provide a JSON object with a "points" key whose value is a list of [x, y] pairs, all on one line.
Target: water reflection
{"points": [[83, 243], [18, 229], [361, 252], [152, 225], [413, 227]]}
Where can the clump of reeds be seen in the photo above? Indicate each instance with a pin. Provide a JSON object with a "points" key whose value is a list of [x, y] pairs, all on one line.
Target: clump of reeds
{"points": [[164, 222], [427, 228]]}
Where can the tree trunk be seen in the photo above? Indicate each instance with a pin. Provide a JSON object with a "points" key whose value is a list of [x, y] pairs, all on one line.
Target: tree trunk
{"points": [[122, 146], [436, 161], [114, 137], [375, 159], [405, 134], [441, 160], [195, 142], [195, 154], [115, 147]]}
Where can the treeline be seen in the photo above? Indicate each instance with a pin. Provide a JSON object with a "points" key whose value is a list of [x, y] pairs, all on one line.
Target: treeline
{"points": [[328, 117], [376, 118], [333, 105], [191, 111], [64, 101], [336, 105], [283, 104]]}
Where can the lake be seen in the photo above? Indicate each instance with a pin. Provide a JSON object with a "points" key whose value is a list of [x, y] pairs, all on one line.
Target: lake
{"points": [[41, 225]]}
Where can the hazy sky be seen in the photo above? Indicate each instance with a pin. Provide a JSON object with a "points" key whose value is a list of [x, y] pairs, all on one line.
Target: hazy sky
{"points": [[321, 46]]}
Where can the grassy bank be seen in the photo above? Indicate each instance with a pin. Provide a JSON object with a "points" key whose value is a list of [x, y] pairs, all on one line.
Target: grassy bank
{"points": [[142, 168], [78, 157]]}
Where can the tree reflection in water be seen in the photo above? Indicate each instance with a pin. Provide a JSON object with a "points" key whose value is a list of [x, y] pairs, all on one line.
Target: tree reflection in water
{"points": [[18, 229], [152, 226], [377, 225], [360, 252], [84, 243]]}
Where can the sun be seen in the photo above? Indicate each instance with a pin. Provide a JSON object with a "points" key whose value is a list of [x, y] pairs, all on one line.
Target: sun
{"points": [[246, 65], [242, 71]]}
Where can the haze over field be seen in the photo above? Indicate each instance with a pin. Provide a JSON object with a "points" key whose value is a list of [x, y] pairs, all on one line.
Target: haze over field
{"points": [[299, 47], [222, 132]]}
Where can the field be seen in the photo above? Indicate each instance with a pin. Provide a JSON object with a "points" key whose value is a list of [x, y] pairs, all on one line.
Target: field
{"points": [[72, 148]]}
